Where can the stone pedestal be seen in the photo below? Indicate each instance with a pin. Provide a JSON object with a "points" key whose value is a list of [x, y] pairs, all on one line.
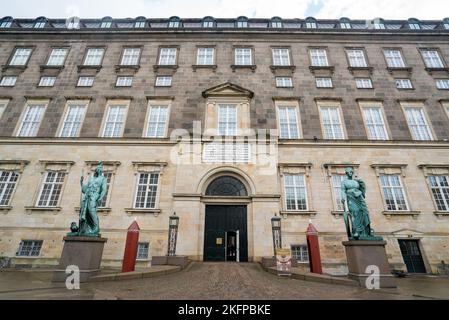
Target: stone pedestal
{"points": [[180, 261], [362, 254], [85, 253]]}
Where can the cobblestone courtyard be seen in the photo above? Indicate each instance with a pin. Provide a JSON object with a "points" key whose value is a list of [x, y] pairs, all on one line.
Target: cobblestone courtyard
{"points": [[216, 281]]}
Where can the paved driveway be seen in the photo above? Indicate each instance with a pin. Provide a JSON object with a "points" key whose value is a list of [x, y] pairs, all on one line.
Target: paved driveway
{"points": [[216, 281]]}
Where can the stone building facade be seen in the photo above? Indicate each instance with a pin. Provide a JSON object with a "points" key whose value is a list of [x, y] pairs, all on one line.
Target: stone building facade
{"points": [[226, 122]]}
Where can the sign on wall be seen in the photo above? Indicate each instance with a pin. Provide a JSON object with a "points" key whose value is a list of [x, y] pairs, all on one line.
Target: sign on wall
{"points": [[284, 262]]}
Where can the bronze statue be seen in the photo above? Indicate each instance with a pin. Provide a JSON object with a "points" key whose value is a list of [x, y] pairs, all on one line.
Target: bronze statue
{"points": [[94, 191], [353, 194]]}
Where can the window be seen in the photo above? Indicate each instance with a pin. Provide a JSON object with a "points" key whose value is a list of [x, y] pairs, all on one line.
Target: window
{"points": [[124, 82], [374, 122], [143, 249], [85, 81], [276, 23], [432, 59], [8, 81], [364, 83], [394, 58], [208, 22], [115, 121], [318, 58], [174, 22], [108, 176], [356, 58], [440, 191], [300, 253], [311, 23], [6, 23], [295, 192], [414, 25], [227, 120], [281, 57], [40, 23], [130, 57], [205, 56], [378, 25], [337, 180], [417, 123], [394, 196], [51, 189], [3, 105], [73, 23], [146, 191], [31, 120], [47, 81], [405, 84], [20, 57], [8, 182], [164, 81], [284, 82], [157, 122], [323, 82], [94, 57], [106, 23], [242, 22], [140, 23], [331, 122], [442, 84], [226, 152], [288, 122], [243, 56], [167, 56], [30, 248], [57, 57], [73, 120]]}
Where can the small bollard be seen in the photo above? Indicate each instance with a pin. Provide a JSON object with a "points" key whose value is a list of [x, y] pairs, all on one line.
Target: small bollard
{"points": [[314, 250], [132, 242]]}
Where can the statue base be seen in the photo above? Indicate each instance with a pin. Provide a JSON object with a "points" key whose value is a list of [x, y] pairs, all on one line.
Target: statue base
{"points": [[361, 255], [85, 253]]}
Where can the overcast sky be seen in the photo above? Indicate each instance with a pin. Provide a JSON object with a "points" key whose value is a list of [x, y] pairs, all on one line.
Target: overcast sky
{"points": [[355, 9]]}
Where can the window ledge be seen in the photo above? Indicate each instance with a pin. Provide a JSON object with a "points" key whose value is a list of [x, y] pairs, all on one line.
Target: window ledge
{"points": [[131, 211], [17, 68], [46, 67], [102, 211], [156, 67], [353, 69], [326, 68], [252, 67], [32, 209], [135, 68], [274, 68], [201, 66], [83, 67], [439, 214], [390, 214], [299, 213], [5, 209], [391, 70]]}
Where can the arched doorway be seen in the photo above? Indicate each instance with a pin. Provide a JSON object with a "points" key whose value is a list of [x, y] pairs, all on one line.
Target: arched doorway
{"points": [[226, 226]]}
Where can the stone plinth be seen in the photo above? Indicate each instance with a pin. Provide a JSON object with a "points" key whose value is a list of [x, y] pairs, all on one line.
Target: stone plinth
{"points": [[180, 261], [362, 254], [83, 252], [268, 262]]}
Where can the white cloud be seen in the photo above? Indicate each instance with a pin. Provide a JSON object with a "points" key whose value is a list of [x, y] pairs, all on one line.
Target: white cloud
{"points": [[356, 9]]}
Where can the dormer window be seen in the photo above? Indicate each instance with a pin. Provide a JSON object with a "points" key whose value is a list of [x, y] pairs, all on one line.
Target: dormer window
{"points": [[174, 22], [242, 22], [446, 23], [106, 23], [40, 23], [311, 23], [379, 24], [6, 22], [208, 22], [345, 23], [73, 23], [414, 24], [276, 23], [140, 23]]}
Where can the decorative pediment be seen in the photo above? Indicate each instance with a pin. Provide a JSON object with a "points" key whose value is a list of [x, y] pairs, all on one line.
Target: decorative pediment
{"points": [[228, 90], [407, 233]]}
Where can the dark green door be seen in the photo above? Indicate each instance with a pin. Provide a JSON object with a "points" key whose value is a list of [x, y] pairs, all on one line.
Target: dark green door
{"points": [[412, 256], [221, 223]]}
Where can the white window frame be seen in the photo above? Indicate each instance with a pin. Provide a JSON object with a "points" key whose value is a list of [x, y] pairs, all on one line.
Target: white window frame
{"points": [[292, 124], [229, 130], [414, 26], [157, 106], [147, 249], [364, 83], [284, 82], [124, 104], [8, 81], [6, 185], [394, 58], [163, 81], [336, 191], [357, 58], [30, 132], [140, 24], [131, 56], [83, 80], [281, 56], [51, 193], [3, 106], [332, 105], [322, 81], [318, 57], [404, 84], [47, 81], [174, 24], [168, 56], [57, 57], [205, 56], [148, 185], [311, 25], [303, 252], [243, 56], [442, 84], [392, 188], [124, 81], [296, 186], [417, 133], [73, 124], [21, 56], [33, 245], [441, 189], [432, 58], [374, 130], [94, 55], [106, 24]]}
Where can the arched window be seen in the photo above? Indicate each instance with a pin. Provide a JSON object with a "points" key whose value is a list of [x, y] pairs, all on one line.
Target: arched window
{"points": [[106, 23], [209, 22], [242, 22], [311, 23], [446, 23], [345, 23], [414, 24], [73, 23], [174, 22], [276, 22], [40, 23], [6, 22], [379, 24], [141, 22], [227, 186]]}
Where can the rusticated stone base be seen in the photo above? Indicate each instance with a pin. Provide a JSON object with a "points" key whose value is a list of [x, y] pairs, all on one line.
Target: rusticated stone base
{"points": [[181, 261], [361, 255], [85, 253]]}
